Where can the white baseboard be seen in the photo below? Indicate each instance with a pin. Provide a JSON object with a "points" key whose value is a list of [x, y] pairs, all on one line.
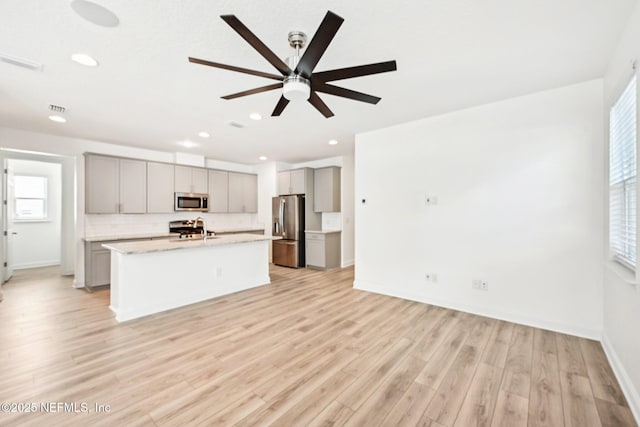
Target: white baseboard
{"points": [[483, 311], [630, 391], [36, 264], [347, 263]]}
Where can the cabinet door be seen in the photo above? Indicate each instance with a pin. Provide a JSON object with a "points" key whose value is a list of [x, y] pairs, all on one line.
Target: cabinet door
{"points": [[243, 193], [315, 255], [133, 186], [297, 182], [326, 190], [160, 179], [183, 179], [199, 180], [284, 183], [251, 194], [101, 184], [100, 267], [218, 191], [236, 192]]}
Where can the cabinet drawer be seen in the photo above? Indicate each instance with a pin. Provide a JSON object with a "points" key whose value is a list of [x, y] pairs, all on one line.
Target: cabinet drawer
{"points": [[315, 236]]}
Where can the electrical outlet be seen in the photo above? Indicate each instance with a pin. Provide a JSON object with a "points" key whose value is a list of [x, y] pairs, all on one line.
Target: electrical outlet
{"points": [[480, 284], [431, 277], [430, 200]]}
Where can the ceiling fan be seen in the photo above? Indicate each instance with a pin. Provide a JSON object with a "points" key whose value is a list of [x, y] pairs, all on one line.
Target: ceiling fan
{"points": [[297, 79]]}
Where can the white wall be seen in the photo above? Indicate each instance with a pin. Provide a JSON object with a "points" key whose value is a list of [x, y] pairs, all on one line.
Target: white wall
{"points": [[621, 315], [519, 188], [36, 243]]}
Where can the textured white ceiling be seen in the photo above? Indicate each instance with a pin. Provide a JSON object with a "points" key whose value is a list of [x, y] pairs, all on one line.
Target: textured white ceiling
{"points": [[451, 54]]}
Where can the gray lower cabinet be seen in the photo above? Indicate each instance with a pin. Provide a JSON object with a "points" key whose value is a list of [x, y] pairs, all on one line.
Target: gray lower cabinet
{"points": [[322, 250], [97, 262]]}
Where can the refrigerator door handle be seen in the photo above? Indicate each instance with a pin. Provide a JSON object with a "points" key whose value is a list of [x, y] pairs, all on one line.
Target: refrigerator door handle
{"points": [[282, 211]]}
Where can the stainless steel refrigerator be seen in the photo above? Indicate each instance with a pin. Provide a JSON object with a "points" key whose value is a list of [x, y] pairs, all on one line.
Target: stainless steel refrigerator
{"points": [[288, 222]]}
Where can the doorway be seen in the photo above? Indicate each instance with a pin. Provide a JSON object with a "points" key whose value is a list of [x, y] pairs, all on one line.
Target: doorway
{"points": [[38, 212]]}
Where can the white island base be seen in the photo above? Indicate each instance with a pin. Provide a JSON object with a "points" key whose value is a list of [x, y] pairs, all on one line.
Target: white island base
{"points": [[150, 277]]}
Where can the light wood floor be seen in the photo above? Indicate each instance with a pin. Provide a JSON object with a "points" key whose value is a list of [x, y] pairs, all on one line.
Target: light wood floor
{"points": [[307, 350]]}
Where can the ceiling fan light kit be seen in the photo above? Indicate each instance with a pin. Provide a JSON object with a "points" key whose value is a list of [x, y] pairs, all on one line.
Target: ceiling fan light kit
{"points": [[298, 80]]}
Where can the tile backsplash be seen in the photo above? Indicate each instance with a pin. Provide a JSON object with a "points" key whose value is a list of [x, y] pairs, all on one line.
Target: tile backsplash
{"points": [[331, 221], [101, 225]]}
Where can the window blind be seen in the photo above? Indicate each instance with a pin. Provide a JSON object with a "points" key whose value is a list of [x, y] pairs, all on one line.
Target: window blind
{"points": [[622, 177]]}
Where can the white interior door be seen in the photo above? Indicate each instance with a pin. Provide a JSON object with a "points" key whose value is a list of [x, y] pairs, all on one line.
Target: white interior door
{"points": [[7, 194]]}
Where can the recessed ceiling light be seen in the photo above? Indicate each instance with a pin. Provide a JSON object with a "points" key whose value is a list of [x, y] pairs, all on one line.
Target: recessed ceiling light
{"points": [[203, 134], [333, 142], [263, 157], [84, 59], [95, 13], [255, 116], [57, 119], [187, 143]]}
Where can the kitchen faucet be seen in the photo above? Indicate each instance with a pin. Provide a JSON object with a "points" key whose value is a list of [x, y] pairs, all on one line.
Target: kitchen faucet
{"points": [[204, 227]]}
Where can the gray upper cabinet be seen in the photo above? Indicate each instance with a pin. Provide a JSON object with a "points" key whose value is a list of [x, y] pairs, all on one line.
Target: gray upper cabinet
{"points": [[101, 184], [160, 178], [326, 194], [133, 186], [243, 193], [190, 179], [218, 191], [292, 181], [114, 185]]}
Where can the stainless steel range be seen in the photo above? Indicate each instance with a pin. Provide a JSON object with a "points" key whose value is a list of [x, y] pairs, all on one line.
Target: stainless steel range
{"points": [[189, 228]]}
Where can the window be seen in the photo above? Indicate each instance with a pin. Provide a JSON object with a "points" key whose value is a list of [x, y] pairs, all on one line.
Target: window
{"points": [[622, 177], [31, 197]]}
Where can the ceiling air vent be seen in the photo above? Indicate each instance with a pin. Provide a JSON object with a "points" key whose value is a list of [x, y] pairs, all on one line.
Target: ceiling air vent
{"points": [[57, 108], [236, 124], [19, 62]]}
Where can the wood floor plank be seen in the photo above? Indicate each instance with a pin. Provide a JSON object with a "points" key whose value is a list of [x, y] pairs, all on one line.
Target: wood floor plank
{"points": [[579, 406], [511, 410], [308, 349], [479, 403], [603, 380], [517, 371], [545, 405]]}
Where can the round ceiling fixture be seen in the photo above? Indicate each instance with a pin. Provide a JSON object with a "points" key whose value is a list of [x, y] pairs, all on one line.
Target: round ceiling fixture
{"points": [[84, 59], [296, 88], [187, 144], [57, 119], [263, 157], [95, 13], [333, 142], [204, 134], [255, 116]]}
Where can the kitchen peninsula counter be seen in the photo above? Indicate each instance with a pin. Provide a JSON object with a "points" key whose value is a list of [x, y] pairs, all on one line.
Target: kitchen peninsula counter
{"points": [[151, 276]]}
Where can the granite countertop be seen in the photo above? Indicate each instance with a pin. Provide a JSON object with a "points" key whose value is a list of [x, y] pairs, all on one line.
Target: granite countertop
{"points": [[115, 237], [323, 231], [176, 244]]}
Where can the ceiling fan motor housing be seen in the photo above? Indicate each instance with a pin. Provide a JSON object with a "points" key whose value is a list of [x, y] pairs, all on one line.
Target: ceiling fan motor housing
{"points": [[296, 88]]}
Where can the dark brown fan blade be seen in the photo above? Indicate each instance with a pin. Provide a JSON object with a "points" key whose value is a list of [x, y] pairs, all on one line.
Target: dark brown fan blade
{"points": [[253, 91], [345, 93], [256, 43], [315, 100], [358, 71], [280, 106], [318, 44], [232, 68]]}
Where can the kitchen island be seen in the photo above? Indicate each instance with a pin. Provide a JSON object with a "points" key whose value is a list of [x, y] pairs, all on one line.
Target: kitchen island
{"points": [[148, 277]]}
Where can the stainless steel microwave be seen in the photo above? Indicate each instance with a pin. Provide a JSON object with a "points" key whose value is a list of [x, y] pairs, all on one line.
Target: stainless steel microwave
{"points": [[195, 202]]}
